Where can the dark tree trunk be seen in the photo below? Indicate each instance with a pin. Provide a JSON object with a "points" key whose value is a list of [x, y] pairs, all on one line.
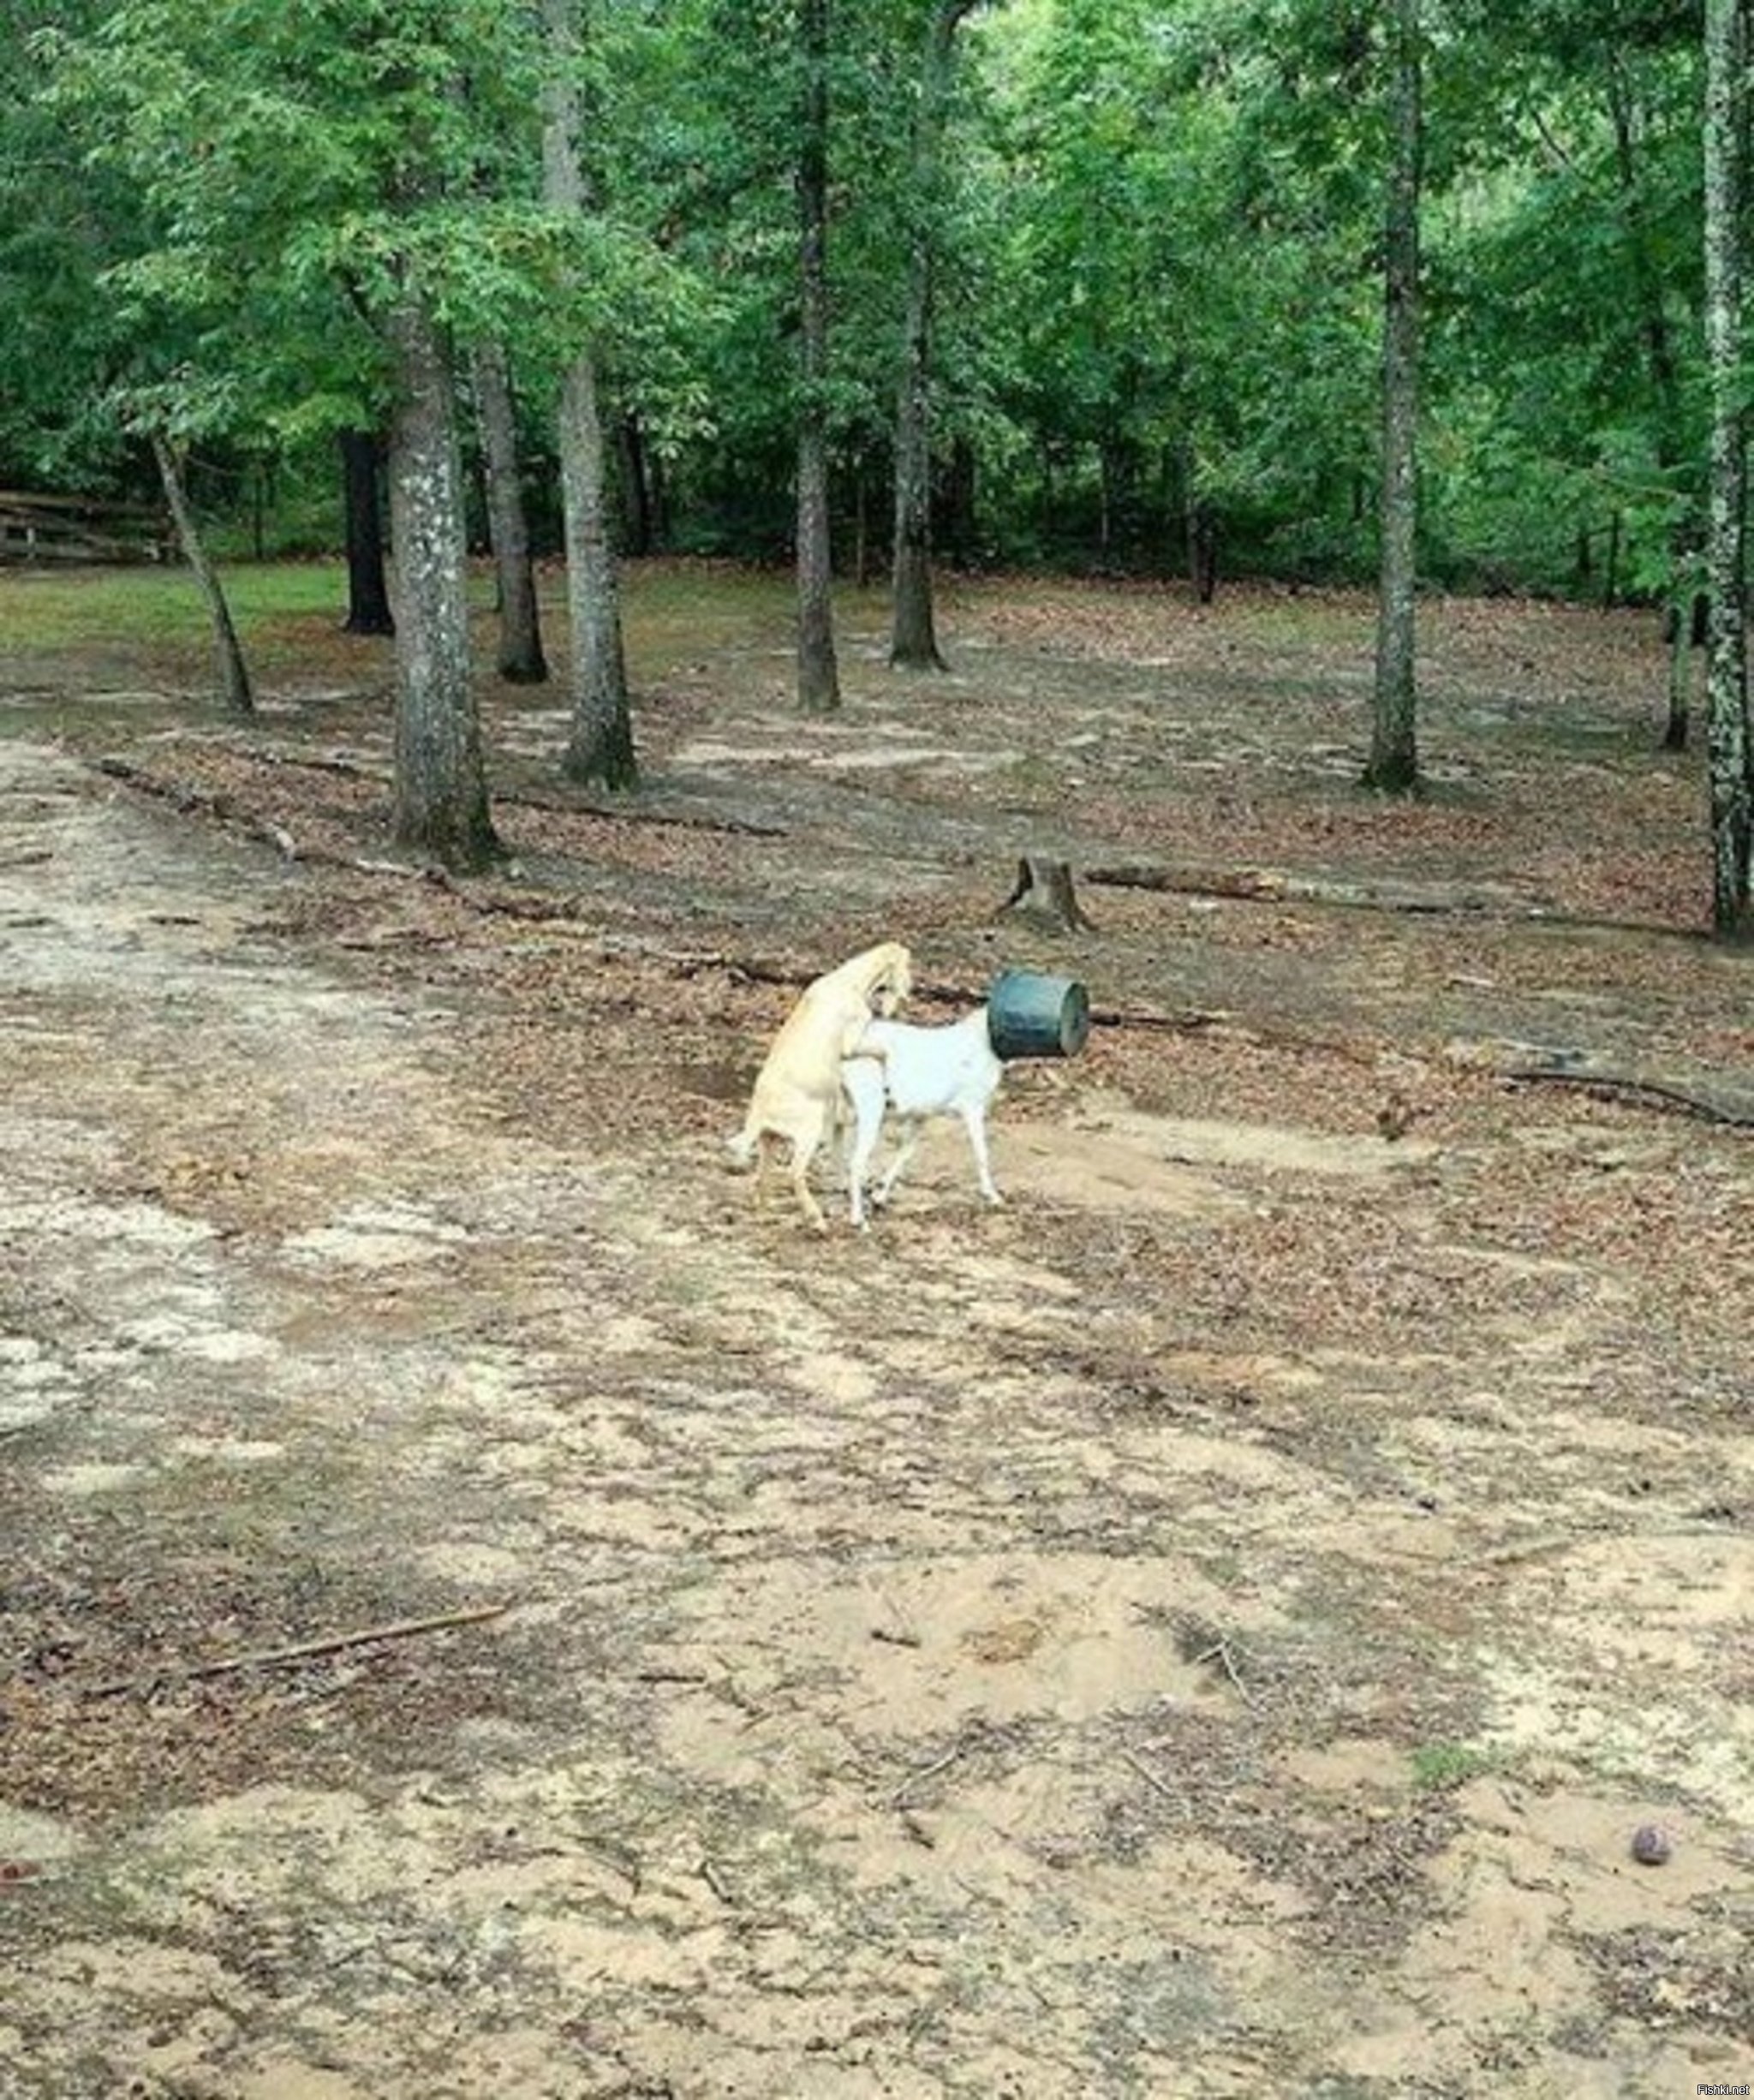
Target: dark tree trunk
{"points": [[913, 641], [818, 674], [1202, 549], [1393, 766], [1686, 627], [1727, 744], [234, 672], [441, 794], [1611, 565], [368, 585], [637, 507], [1647, 276], [520, 659], [862, 526], [600, 749], [960, 489]]}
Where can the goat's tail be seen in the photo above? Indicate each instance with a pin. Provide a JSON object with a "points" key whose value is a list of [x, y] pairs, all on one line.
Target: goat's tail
{"points": [[742, 1147]]}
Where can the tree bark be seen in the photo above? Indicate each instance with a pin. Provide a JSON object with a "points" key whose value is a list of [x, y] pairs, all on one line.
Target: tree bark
{"points": [[1045, 892], [1393, 766], [914, 640], [368, 585], [638, 508], [522, 661], [441, 794], [1687, 627], [234, 672], [818, 674], [1665, 380], [1727, 753], [600, 748]]}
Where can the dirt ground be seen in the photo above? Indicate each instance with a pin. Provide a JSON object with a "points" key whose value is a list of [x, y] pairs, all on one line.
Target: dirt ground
{"points": [[1212, 1626]]}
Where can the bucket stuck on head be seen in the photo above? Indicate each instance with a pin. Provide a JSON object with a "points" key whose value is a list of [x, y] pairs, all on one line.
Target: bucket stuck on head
{"points": [[1032, 1016]]}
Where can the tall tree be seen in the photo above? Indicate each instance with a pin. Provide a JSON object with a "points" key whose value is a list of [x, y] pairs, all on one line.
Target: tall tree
{"points": [[601, 747], [330, 266], [441, 794], [227, 650], [522, 660], [1727, 744], [367, 584], [1393, 766], [913, 639], [819, 675]]}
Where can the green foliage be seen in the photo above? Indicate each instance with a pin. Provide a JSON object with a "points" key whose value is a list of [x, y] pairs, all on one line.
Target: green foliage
{"points": [[1440, 1768], [1159, 222]]}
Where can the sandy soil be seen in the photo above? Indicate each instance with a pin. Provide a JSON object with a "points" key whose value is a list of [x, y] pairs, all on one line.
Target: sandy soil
{"points": [[1212, 1626]]}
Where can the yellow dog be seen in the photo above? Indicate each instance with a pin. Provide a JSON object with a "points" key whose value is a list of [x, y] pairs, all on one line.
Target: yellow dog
{"points": [[797, 1091]]}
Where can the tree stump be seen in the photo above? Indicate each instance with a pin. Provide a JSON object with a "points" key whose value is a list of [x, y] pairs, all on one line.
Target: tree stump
{"points": [[1043, 893]]}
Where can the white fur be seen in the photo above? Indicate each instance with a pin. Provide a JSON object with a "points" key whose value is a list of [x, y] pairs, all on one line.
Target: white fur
{"points": [[919, 1072], [797, 1094]]}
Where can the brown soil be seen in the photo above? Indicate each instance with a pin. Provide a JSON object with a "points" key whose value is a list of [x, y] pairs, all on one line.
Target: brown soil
{"points": [[1212, 1626]]}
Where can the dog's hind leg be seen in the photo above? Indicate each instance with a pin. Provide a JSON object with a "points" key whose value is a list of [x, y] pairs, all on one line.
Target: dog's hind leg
{"points": [[804, 1145]]}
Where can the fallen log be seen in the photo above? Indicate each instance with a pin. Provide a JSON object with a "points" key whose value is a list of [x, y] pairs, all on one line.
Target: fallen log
{"points": [[1668, 1092], [1278, 885], [524, 798]]}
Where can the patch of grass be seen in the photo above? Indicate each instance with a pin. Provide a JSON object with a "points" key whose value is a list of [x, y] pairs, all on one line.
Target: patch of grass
{"points": [[62, 610], [1440, 1768]]}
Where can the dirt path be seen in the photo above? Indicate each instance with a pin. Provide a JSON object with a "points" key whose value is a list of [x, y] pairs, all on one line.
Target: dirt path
{"points": [[1058, 1653]]}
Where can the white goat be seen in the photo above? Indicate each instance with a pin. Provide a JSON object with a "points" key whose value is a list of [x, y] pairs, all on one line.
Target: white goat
{"points": [[918, 1072]]}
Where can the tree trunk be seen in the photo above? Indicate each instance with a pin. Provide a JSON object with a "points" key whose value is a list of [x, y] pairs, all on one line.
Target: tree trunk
{"points": [[600, 749], [234, 672], [1611, 563], [637, 509], [913, 641], [368, 586], [1045, 892], [1202, 549], [520, 659], [819, 675], [1647, 276], [862, 526], [1727, 755], [960, 517], [441, 794], [1686, 627], [1393, 767]]}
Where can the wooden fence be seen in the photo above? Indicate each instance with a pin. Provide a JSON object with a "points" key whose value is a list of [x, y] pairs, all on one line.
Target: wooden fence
{"points": [[82, 529]]}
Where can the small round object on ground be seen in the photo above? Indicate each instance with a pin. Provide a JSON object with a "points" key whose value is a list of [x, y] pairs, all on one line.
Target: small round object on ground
{"points": [[1652, 1847]]}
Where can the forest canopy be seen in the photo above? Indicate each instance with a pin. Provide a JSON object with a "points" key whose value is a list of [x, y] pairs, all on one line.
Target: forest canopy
{"points": [[1155, 309]]}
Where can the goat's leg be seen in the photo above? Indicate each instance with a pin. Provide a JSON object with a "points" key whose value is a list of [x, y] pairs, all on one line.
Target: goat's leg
{"points": [[910, 1129], [868, 1124], [974, 1121]]}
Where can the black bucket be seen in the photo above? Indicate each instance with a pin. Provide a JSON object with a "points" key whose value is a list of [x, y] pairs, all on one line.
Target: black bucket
{"points": [[1030, 1016]]}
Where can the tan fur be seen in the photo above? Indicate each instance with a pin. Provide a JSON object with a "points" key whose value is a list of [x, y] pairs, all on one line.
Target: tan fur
{"points": [[797, 1091]]}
